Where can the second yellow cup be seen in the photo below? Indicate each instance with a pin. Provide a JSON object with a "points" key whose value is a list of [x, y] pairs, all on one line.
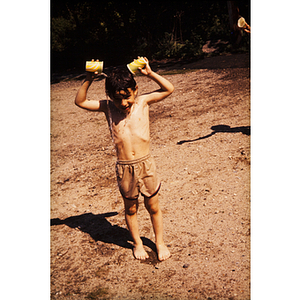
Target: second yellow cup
{"points": [[136, 64]]}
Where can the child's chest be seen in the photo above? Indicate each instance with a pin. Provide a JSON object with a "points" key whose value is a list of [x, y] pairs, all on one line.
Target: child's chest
{"points": [[134, 124]]}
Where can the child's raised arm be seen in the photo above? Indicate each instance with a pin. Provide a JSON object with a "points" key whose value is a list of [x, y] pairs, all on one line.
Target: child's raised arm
{"points": [[81, 97], [166, 87]]}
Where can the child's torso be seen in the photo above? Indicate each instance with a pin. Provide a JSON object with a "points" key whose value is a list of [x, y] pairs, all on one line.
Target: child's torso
{"points": [[130, 133]]}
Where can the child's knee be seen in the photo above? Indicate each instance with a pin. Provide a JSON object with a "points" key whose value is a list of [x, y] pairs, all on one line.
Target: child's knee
{"points": [[132, 210], [153, 210], [152, 207], [131, 207]]}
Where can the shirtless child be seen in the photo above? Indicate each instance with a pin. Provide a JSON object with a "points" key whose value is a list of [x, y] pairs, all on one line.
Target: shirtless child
{"points": [[128, 117]]}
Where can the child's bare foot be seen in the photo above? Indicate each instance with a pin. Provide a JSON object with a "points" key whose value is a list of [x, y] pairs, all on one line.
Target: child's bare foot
{"points": [[139, 252], [163, 252]]}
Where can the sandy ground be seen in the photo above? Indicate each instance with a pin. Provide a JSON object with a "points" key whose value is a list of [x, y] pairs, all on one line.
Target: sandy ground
{"points": [[201, 144]]}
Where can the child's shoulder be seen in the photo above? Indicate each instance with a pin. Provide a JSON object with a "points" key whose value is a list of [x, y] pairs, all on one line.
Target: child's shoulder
{"points": [[104, 104], [143, 98]]}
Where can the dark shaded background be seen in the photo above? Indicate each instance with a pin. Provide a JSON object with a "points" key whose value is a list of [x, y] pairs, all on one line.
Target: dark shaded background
{"points": [[118, 31]]}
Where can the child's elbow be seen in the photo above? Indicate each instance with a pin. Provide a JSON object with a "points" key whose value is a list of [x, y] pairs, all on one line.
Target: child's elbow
{"points": [[171, 89], [76, 102]]}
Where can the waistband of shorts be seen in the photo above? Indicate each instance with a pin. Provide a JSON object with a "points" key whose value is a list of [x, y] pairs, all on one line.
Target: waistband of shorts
{"points": [[134, 161]]}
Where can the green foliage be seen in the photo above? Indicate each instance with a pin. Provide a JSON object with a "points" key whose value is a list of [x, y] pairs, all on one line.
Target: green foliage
{"points": [[193, 47], [170, 48], [167, 47], [61, 33]]}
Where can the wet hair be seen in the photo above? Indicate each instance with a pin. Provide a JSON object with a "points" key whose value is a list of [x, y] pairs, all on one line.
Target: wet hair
{"points": [[120, 79]]}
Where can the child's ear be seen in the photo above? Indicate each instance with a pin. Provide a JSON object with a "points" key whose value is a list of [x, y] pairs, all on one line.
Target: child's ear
{"points": [[135, 91]]}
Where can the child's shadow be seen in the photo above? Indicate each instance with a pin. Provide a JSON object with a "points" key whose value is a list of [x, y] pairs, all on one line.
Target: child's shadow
{"points": [[220, 128], [101, 230]]}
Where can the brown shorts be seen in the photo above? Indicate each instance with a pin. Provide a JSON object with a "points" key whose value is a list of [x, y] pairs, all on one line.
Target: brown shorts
{"points": [[137, 176]]}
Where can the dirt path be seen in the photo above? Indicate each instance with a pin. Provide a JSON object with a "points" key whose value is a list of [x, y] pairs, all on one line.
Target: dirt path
{"points": [[201, 143]]}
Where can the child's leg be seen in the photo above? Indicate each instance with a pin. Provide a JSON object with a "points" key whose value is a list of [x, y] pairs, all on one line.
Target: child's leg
{"points": [[131, 207], [154, 210]]}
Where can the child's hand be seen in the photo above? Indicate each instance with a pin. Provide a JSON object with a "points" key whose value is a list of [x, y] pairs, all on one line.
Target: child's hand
{"points": [[147, 70], [90, 76]]}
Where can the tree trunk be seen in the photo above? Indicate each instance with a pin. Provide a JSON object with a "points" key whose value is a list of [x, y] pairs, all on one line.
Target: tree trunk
{"points": [[234, 15]]}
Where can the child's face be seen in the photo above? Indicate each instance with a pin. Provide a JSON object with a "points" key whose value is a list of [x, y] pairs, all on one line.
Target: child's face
{"points": [[123, 101]]}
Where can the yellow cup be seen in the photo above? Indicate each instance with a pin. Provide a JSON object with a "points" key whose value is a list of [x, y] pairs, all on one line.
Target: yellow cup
{"points": [[94, 66], [136, 64], [241, 22]]}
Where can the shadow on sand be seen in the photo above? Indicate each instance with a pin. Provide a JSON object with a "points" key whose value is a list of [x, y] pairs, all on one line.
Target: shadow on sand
{"points": [[220, 128], [101, 230]]}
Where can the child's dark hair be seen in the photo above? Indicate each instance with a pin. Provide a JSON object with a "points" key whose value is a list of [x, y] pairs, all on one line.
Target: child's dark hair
{"points": [[119, 80]]}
